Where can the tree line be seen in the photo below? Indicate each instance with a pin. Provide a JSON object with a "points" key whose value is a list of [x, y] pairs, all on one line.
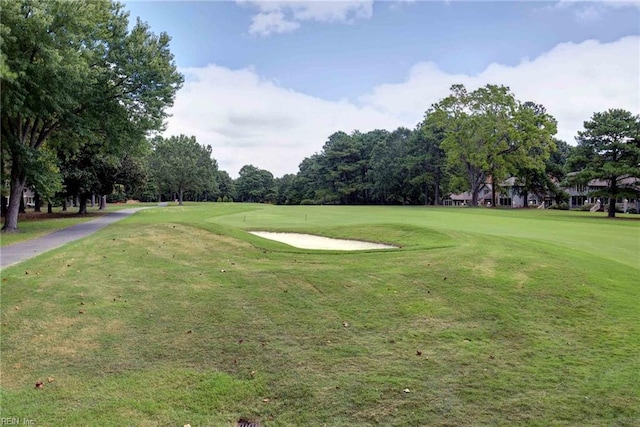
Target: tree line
{"points": [[464, 141], [83, 103]]}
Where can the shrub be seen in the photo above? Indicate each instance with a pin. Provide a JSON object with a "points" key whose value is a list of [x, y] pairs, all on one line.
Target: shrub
{"points": [[561, 206], [307, 202]]}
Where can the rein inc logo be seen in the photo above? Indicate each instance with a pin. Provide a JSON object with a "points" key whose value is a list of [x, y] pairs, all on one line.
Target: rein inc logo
{"points": [[14, 421]]}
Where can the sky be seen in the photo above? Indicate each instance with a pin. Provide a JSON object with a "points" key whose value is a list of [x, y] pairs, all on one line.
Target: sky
{"points": [[267, 82]]}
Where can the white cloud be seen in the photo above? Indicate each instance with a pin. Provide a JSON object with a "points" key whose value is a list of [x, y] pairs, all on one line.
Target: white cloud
{"points": [[264, 24], [284, 16], [250, 120], [572, 81], [589, 11]]}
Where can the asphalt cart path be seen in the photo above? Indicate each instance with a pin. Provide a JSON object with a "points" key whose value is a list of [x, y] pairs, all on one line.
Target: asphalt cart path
{"points": [[18, 252]]}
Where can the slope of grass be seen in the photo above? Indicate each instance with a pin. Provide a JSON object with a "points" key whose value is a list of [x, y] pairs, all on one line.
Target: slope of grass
{"points": [[178, 315]]}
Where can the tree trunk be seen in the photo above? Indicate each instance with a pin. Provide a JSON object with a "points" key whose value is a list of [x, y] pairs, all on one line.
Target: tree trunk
{"points": [[426, 194], [493, 195], [75, 201], [103, 202], [21, 209], [93, 200], [4, 203], [82, 205], [49, 208], [180, 197], [474, 198], [612, 207], [37, 203], [64, 204], [525, 201], [11, 220]]}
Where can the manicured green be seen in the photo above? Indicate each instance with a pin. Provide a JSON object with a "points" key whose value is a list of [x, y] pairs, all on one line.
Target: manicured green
{"points": [[179, 316]]}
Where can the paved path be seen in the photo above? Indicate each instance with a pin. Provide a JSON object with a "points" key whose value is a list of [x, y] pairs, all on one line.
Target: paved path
{"points": [[18, 252]]}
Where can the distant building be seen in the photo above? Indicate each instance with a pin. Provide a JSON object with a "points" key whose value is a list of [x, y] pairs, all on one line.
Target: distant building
{"points": [[508, 194]]}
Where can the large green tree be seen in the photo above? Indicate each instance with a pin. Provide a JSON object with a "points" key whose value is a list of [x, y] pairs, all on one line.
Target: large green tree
{"points": [[76, 67], [609, 150], [180, 163], [388, 170], [427, 160], [489, 134], [255, 185]]}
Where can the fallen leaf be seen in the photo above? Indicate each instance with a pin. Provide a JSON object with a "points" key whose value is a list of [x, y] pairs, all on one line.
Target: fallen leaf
{"points": [[345, 324], [266, 399], [406, 390], [39, 384], [189, 331], [419, 353], [50, 379], [81, 311]]}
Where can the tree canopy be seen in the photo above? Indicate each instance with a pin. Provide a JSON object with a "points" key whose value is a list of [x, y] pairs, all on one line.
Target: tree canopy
{"points": [[609, 150], [76, 68], [488, 134], [180, 164]]}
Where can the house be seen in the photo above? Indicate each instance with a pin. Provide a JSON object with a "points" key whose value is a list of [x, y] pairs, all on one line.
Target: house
{"points": [[29, 197], [582, 194], [507, 195]]}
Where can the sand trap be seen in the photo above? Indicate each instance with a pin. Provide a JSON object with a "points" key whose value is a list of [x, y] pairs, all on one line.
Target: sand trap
{"points": [[308, 241]]}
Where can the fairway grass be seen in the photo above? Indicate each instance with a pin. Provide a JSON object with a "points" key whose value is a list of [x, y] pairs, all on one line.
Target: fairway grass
{"points": [[180, 316]]}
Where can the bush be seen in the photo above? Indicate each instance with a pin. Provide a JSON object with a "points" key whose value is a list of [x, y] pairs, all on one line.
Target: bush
{"points": [[606, 208], [586, 207], [561, 206], [115, 198], [632, 211], [307, 202]]}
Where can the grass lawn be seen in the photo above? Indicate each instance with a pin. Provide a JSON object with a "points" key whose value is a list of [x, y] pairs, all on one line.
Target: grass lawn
{"points": [[179, 316]]}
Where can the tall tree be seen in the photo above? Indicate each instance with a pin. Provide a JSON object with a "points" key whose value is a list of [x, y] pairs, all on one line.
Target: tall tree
{"points": [[312, 183], [489, 133], [609, 149], [76, 66], [226, 187], [427, 159], [255, 185], [180, 164], [388, 169], [533, 146]]}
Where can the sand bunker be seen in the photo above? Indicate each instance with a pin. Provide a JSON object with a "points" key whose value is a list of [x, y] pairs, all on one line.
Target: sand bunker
{"points": [[308, 241]]}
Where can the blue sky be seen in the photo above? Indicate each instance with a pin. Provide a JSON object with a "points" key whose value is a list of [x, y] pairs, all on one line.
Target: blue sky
{"points": [[268, 82]]}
